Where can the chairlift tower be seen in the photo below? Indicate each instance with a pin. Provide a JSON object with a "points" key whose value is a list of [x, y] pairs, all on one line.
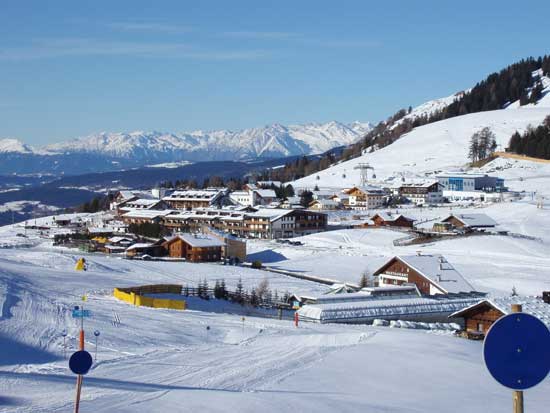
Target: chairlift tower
{"points": [[364, 173]]}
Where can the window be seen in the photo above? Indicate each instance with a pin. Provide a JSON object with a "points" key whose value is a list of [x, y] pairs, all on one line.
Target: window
{"points": [[480, 327]]}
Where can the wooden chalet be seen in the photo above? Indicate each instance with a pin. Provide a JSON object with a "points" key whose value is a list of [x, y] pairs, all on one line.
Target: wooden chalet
{"points": [[470, 221], [152, 249], [194, 247], [479, 317], [432, 274], [391, 220], [365, 197]]}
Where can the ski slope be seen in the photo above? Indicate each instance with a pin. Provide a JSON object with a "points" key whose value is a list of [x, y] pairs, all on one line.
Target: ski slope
{"points": [[164, 360], [491, 263], [432, 148]]}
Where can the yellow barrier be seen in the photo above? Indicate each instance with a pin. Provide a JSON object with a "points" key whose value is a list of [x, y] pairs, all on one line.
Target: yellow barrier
{"points": [[133, 296]]}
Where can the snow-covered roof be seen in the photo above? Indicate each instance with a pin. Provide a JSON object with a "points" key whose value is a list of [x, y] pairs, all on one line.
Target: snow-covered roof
{"points": [[114, 247], [437, 269], [193, 195], [139, 246], [390, 217], [126, 194], [198, 240], [293, 200], [114, 240], [325, 202], [272, 213], [367, 189], [425, 184], [385, 308], [143, 202], [266, 193], [147, 213], [460, 175], [474, 220], [531, 305]]}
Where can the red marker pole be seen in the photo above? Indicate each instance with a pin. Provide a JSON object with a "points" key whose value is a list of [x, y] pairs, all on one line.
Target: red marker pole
{"points": [[296, 318]]}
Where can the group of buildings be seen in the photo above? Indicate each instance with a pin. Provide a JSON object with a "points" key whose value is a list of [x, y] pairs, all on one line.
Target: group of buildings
{"points": [[421, 288], [209, 246]]}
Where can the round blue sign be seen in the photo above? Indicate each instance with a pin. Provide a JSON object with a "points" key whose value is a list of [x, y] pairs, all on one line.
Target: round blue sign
{"points": [[80, 362], [517, 351]]}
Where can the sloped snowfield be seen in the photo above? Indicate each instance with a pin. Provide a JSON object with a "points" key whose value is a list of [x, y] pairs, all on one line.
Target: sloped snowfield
{"points": [[436, 147], [492, 263], [164, 360]]}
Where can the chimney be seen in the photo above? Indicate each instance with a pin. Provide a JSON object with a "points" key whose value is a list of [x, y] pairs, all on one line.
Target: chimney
{"points": [[438, 277]]}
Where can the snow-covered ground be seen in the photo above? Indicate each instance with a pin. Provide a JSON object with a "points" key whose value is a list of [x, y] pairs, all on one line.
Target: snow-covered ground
{"points": [[492, 263], [440, 146], [159, 360]]}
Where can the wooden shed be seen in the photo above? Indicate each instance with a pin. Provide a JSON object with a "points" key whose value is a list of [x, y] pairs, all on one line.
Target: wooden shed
{"points": [[383, 219], [479, 318]]}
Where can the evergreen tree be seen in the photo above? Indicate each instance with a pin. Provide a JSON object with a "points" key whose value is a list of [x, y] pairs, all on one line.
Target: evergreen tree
{"points": [[364, 280], [306, 197], [217, 291], [223, 289], [473, 152], [239, 298], [254, 301]]}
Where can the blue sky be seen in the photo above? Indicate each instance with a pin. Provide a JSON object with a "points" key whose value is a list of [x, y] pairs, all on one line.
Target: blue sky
{"points": [[69, 68]]}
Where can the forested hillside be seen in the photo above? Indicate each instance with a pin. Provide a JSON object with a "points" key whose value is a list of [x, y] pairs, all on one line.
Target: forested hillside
{"points": [[515, 83]]}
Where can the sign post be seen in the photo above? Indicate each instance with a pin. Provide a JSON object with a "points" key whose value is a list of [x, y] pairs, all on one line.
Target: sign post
{"points": [[516, 353], [79, 363], [96, 334], [64, 334]]}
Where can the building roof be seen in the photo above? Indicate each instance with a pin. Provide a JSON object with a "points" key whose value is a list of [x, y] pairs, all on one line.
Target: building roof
{"points": [[197, 240], [474, 220], [460, 175], [147, 213], [272, 213], [194, 195], [390, 217], [383, 307], [367, 189], [114, 240], [139, 245], [425, 184], [266, 193], [531, 305], [325, 202], [143, 202], [435, 268]]}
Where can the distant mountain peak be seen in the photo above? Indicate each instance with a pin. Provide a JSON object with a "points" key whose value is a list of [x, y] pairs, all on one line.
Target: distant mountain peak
{"points": [[275, 140], [10, 145]]}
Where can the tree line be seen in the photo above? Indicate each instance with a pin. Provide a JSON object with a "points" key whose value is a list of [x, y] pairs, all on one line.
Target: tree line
{"points": [[533, 142], [261, 295], [514, 83]]}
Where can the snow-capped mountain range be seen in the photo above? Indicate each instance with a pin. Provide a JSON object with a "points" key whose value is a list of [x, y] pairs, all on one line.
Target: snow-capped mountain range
{"points": [[271, 141]]}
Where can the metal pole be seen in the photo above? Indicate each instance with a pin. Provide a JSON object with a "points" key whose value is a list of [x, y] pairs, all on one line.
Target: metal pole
{"points": [[79, 377], [78, 389], [518, 394]]}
